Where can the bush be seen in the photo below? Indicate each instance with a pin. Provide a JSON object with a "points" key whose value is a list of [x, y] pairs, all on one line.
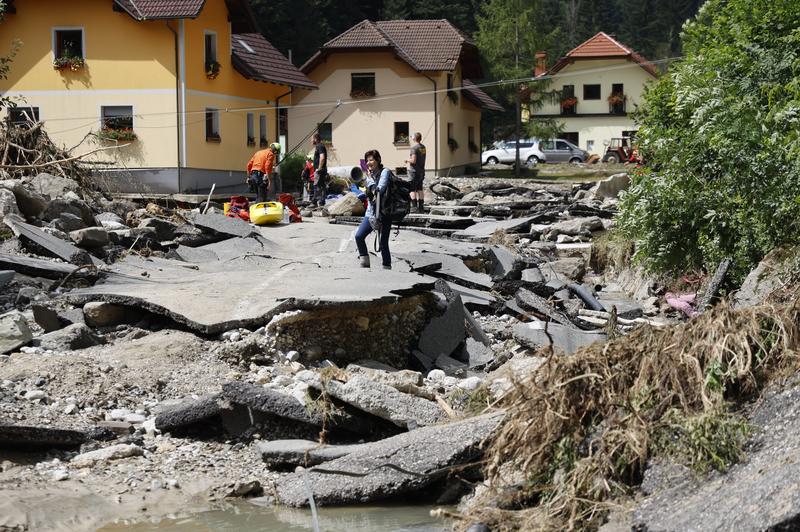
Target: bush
{"points": [[721, 136], [290, 168]]}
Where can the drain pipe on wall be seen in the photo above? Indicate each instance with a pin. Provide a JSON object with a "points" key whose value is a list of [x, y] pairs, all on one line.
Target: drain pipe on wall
{"points": [[177, 101], [435, 125], [279, 187]]}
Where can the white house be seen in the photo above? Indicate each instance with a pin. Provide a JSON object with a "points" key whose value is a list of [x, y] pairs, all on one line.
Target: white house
{"points": [[602, 81]]}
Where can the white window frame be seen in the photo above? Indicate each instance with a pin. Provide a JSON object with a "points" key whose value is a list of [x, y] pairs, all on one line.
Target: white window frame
{"points": [[215, 124], [133, 113], [206, 33], [67, 28]]}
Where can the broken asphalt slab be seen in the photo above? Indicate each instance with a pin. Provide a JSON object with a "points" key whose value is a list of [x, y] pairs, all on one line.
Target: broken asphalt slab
{"points": [[392, 467], [444, 333], [225, 225], [380, 400], [484, 230], [283, 454], [41, 242], [30, 437], [36, 267], [216, 297], [568, 340]]}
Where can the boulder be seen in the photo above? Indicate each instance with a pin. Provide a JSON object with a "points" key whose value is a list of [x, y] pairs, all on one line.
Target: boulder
{"points": [[100, 314], [68, 222], [612, 186], [771, 274], [53, 186], [106, 454], [46, 318], [164, 230], [30, 203], [91, 237], [381, 400], [402, 464], [14, 331], [8, 204], [347, 205], [71, 337], [76, 206]]}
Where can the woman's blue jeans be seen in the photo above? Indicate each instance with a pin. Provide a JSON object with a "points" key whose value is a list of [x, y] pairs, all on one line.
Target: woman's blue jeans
{"points": [[365, 229]]}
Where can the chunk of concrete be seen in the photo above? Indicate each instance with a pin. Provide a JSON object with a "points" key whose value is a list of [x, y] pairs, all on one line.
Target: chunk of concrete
{"points": [[390, 468], [568, 340], [484, 230], [282, 454], [444, 333], [569, 268], [53, 186], [40, 242], [771, 274], [46, 318], [165, 230], [478, 354], [532, 275], [531, 301], [8, 204], [27, 437], [75, 206], [189, 414], [30, 203], [347, 205], [575, 227], [106, 454], [91, 237], [101, 314], [14, 331], [70, 338], [68, 222], [380, 400], [221, 224], [505, 264]]}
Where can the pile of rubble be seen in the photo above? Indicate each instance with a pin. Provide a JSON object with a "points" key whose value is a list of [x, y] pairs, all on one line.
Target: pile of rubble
{"points": [[181, 344]]}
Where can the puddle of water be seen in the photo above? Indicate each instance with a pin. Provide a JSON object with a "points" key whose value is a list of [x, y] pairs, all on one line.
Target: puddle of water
{"points": [[249, 517]]}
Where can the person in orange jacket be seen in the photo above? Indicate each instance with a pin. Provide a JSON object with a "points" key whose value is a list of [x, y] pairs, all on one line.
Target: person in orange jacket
{"points": [[259, 172]]}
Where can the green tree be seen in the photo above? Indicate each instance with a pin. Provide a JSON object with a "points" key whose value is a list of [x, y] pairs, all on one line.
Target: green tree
{"points": [[721, 134], [509, 34]]}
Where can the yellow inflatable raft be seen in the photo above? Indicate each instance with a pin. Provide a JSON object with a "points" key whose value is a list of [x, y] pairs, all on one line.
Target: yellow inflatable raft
{"points": [[267, 212]]}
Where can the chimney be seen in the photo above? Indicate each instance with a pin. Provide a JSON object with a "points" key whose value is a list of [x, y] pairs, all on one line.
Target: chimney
{"points": [[541, 64]]}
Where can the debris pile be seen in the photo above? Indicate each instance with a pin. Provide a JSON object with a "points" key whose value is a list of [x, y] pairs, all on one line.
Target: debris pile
{"points": [[146, 346]]}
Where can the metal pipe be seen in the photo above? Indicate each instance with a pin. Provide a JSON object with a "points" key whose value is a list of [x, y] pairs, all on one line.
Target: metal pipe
{"points": [[435, 124], [177, 101]]}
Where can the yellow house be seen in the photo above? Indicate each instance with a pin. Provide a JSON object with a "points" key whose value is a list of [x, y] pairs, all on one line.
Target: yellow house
{"points": [[394, 78], [188, 88], [602, 81]]}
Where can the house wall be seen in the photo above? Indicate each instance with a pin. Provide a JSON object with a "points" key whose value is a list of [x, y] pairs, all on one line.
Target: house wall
{"points": [[133, 63], [462, 114], [597, 130]]}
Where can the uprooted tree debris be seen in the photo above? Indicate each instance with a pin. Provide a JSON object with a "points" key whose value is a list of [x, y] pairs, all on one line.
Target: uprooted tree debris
{"points": [[146, 345]]}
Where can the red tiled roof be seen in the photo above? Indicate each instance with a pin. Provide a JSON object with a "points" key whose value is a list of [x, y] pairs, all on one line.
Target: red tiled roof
{"points": [[601, 46], [478, 97], [255, 58], [155, 9], [426, 45]]}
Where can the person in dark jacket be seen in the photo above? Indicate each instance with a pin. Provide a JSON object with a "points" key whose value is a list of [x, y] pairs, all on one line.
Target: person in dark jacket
{"points": [[378, 179]]}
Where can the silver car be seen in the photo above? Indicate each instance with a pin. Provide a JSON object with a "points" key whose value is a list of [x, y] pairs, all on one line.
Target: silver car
{"points": [[562, 151], [505, 153]]}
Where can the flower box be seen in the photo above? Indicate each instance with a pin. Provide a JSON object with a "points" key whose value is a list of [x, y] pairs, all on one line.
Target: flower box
{"points": [[401, 139], [453, 95], [571, 101], [361, 94], [452, 144], [73, 64], [212, 69], [117, 135], [473, 147], [617, 99]]}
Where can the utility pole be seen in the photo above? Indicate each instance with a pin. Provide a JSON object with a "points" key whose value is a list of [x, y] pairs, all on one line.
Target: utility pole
{"points": [[516, 90]]}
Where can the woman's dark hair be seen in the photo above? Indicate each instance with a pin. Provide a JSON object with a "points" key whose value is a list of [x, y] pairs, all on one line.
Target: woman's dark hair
{"points": [[375, 154]]}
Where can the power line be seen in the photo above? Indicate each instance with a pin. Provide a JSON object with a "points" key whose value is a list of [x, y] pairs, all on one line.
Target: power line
{"points": [[392, 96]]}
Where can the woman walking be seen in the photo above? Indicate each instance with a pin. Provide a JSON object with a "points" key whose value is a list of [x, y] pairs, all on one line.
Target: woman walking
{"points": [[378, 179]]}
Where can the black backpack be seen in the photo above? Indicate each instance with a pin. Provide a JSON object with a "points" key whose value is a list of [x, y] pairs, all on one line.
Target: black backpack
{"points": [[396, 201]]}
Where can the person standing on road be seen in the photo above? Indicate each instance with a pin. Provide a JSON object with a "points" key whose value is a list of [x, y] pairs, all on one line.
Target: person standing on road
{"points": [[378, 179], [320, 169], [416, 171], [259, 172]]}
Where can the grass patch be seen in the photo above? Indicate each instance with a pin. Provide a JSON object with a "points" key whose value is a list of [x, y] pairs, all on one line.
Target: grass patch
{"points": [[580, 431], [610, 250]]}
